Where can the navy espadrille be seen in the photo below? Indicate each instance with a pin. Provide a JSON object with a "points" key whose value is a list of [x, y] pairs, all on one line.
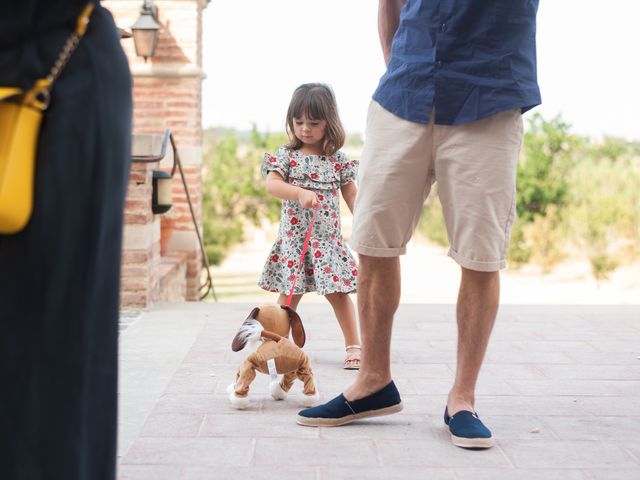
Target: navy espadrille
{"points": [[340, 411], [467, 430]]}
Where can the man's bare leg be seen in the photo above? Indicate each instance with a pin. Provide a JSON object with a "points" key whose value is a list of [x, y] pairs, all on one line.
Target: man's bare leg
{"points": [[378, 299], [478, 300]]}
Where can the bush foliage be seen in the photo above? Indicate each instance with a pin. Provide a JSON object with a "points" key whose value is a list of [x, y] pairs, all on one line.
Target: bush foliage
{"points": [[233, 188], [574, 194]]}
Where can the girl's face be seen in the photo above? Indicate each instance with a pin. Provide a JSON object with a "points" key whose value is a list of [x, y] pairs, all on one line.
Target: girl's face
{"points": [[310, 132]]}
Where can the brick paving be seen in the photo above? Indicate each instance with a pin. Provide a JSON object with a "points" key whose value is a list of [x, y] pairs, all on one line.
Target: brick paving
{"points": [[560, 389]]}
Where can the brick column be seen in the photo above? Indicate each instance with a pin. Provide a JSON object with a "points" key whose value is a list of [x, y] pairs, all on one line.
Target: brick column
{"points": [[167, 94], [141, 243]]}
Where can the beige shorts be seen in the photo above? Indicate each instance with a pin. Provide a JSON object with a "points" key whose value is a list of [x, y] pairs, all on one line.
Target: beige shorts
{"points": [[474, 165]]}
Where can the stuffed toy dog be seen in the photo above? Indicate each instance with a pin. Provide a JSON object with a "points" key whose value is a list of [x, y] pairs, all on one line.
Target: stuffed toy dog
{"points": [[276, 354]]}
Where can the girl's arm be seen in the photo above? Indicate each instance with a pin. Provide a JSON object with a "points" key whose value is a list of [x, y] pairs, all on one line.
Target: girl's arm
{"points": [[388, 21], [276, 186], [349, 191]]}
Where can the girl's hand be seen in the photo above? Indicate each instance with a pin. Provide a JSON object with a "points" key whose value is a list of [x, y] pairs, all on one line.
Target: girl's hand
{"points": [[307, 198]]}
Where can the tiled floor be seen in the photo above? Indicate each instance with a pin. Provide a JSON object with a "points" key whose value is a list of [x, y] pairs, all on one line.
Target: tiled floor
{"points": [[560, 389]]}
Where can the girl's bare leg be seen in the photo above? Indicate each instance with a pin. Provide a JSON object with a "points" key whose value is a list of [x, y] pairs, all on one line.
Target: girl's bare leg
{"points": [[295, 300], [346, 316]]}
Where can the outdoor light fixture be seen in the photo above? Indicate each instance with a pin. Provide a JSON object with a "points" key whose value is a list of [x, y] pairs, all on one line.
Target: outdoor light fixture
{"points": [[162, 195], [145, 30]]}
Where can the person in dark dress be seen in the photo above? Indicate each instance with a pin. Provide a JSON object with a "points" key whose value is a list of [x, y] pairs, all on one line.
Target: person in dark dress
{"points": [[59, 277]]}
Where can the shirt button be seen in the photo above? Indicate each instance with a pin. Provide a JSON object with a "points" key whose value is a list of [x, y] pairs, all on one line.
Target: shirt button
{"points": [[439, 63], [443, 27]]}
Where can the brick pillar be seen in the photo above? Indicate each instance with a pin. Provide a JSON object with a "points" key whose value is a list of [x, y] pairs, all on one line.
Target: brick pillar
{"points": [[141, 243], [167, 94]]}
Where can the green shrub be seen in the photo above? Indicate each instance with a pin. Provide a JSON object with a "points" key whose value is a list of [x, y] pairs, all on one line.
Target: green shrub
{"points": [[542, 192], [601, 266], [546, 237], [233, 188], [543, 166], [604, 212], [574, 195], [520, 250]]}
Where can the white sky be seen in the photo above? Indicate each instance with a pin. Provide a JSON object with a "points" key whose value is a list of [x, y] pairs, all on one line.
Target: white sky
{"points": [[257, 51]]}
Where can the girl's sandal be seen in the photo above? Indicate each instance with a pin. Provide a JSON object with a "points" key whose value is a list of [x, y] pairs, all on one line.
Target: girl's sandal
{"points": [[352, 360]]}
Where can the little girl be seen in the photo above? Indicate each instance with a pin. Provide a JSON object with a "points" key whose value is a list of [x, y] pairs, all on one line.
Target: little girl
{"points": [[307, 174]]}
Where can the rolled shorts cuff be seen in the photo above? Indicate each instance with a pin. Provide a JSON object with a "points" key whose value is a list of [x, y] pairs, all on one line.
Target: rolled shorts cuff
{"points": [[476, 265], [377, 251]]}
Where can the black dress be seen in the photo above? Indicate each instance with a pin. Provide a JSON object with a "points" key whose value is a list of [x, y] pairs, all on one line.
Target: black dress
{"points": [[59, 278]]}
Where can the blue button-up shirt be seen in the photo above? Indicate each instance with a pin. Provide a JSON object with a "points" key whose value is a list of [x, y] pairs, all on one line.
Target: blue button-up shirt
{"points": [[467, 58]]}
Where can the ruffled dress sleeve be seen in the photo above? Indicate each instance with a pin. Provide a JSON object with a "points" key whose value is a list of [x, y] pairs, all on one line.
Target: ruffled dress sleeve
{"points": [[348, 169], [279, 162]]}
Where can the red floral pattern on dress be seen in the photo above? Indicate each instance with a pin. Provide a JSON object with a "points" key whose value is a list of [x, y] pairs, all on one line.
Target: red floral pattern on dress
{"points": [[328, 265]]}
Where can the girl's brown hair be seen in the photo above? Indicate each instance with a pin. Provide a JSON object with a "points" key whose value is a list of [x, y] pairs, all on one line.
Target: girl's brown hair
{"points": [[316, 101]]}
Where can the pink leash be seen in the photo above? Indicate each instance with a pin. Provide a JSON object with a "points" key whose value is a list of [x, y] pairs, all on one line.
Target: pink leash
{"points": [[304, 250]]}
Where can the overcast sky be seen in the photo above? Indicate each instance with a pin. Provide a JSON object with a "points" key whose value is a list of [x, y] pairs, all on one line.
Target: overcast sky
{"points": [[256, 52]]}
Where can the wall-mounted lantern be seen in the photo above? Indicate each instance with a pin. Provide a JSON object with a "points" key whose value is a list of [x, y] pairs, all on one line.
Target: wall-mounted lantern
{"points": [[162, 193], [145, 30]]}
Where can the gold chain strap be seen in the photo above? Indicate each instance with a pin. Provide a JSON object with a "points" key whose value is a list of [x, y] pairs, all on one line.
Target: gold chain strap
{"points": [[71, 43], [40, 94]]}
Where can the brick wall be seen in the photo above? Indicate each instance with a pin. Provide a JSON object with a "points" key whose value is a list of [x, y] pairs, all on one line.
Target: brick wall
{"points": [[166, 94], [141, 247]]}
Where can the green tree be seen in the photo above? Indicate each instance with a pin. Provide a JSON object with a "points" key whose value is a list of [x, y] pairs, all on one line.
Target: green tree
{"points": [[543, 167], [233, 188], [542, 184]]}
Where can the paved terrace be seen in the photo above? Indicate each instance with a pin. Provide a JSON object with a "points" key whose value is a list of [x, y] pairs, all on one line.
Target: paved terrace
{"points": [[560, 389]]}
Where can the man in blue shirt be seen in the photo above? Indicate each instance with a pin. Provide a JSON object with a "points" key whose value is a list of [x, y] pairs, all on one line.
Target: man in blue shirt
{"points": [[448, 109]]}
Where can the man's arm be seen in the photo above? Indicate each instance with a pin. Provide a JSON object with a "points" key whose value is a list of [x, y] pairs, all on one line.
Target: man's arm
{"points": [[388, 20]]}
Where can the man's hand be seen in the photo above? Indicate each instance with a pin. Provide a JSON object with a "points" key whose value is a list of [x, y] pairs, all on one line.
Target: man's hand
{"points": [[307, 198]]}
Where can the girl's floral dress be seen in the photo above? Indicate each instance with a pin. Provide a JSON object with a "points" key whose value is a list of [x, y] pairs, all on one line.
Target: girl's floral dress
{"points": [[328, 265]]}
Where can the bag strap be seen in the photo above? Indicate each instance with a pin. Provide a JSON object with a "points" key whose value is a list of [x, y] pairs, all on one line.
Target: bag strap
{"points": [[39, 95], [304, 250]]}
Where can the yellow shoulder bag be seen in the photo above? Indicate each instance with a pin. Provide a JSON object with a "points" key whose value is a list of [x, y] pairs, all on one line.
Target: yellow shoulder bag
{"points": [[20, 118]]}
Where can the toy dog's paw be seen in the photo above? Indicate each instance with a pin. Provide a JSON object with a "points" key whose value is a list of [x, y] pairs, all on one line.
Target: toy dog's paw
{"points": [[276, 391], [310, 400], [239, 403]]}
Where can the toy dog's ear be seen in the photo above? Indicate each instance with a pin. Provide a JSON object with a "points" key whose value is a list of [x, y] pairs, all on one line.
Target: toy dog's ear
{"points": [[297, 330], [247, 330], [253, 314]]}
